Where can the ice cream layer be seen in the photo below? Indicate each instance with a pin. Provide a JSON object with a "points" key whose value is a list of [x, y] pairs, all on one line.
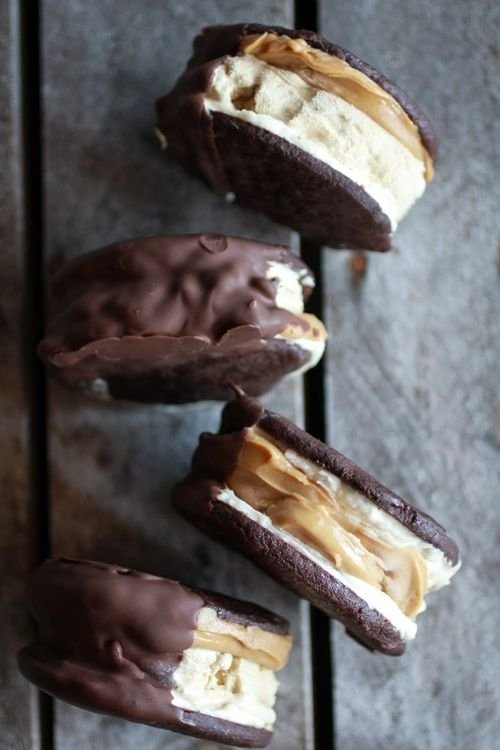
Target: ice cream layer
{"points": [[327, 71], [373, 597], [381, 560], [371, 519], [226, 687], [322, 124], [290, 286], [290, 296]]}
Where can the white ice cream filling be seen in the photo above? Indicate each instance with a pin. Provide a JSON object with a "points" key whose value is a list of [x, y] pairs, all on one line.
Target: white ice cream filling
{"points": [[290, 296], [323, 125], [370, 517], [225, 687], [290, 286], [440, 570]]}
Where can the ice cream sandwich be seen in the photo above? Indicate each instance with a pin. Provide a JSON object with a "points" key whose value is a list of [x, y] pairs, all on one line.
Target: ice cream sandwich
{"points": [[295, 127], [174, 319], [317, 523], [151, 650]]}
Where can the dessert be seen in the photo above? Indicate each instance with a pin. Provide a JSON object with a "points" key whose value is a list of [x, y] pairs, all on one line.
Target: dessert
{"points": [[291, 125], [317, 523], [151, 650], [174, 319]]}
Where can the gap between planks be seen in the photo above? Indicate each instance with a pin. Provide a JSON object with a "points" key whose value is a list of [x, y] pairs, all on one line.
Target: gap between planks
{"points": [[33, 313], [306, 17]]}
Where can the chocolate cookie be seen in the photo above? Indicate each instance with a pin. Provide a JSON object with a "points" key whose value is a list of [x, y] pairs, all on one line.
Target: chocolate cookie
{"points": [[153, 651], [295, 127], [174, 319], [317, 523]]}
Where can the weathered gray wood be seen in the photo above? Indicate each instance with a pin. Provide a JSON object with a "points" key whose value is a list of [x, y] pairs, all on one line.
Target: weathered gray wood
{"points": [[413, 379], [112, 466], [18, 704]]}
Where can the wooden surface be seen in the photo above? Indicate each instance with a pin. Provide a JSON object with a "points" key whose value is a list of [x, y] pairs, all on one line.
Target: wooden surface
{"points": [[112, 466], [412, 366], [18, 705], [413, 382]]}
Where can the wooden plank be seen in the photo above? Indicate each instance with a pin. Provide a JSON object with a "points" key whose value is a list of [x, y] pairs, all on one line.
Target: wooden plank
{"points": [[112, 465], [413, 387], [18, 701]]}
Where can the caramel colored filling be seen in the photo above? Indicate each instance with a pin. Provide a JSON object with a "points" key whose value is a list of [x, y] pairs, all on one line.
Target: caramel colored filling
{"points": [[329, 73], [266, 480], [315, 329], [270, 650]]}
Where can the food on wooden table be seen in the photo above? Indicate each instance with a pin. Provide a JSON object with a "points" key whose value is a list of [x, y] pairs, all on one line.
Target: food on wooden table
{"points": [[317, 523], [174, 319], [291, 125], [151, 650]]}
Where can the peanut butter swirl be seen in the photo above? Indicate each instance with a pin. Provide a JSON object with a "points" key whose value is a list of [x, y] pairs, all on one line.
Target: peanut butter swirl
{"points": [[268, 481], [249, 642], [330, 73]]}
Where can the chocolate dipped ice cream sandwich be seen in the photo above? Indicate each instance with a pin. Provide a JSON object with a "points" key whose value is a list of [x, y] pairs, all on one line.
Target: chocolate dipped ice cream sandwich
{"points": [[151, 650], [174, 319], [317, 523], [295, 127]]}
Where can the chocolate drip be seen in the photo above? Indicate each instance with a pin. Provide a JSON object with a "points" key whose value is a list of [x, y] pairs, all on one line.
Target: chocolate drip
{"points": [[109, 638]]}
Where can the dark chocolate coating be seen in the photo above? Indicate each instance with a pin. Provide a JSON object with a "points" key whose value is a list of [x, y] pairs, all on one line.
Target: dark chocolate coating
{"points": [[216, 458], [264, 171], [172, 319], [110, 639]]}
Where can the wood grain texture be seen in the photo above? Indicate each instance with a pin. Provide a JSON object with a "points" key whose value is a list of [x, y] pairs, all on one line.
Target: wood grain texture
{"points": [[413, 378], [112, 465], [18, 705]]}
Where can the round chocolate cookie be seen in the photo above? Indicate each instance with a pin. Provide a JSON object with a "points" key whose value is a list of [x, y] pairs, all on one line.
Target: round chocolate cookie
{"points": [[317, 523], [175, 319], [295, 127], [147, 649]]}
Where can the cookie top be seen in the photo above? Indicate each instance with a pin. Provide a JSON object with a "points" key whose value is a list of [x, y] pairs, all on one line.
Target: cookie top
{"points": [[147, 302]]}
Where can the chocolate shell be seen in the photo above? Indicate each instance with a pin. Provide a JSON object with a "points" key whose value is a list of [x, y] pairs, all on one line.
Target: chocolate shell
{"points": [[111, 638], [174, 319]]}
